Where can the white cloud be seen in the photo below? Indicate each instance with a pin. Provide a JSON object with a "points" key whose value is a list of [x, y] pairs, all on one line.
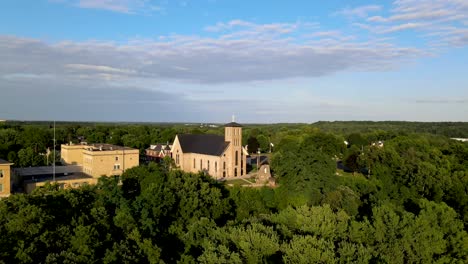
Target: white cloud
{"points": [[362, 11], [251, 53], [377, 19], [119, 6], [443, 101], [97, 68], [402, 27], [80, 73], [240, 28], [443, 20]]}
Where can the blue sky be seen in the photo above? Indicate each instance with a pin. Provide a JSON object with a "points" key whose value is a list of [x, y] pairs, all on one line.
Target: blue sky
{"points": [[264, 61]]}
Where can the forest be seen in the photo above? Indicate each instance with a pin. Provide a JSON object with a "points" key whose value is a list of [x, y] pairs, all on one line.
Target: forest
{"points": [[403, 202]]}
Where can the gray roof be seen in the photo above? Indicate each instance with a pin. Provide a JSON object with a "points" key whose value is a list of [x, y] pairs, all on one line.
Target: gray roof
{"points": [[155, 147], [233, 124], [4, 162], [159, 147], [44, 170], [61, 178], [213, 145], [105, 147]]}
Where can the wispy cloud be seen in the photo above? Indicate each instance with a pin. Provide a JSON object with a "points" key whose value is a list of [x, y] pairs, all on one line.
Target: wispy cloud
{"points": [[253, 52], [243, 53], [119, 6], [401, 27], [443, 101], [361, 11], [444, 20]]}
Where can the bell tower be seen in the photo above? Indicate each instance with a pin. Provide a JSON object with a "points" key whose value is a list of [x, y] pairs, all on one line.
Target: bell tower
{"points": [[235, 158]]}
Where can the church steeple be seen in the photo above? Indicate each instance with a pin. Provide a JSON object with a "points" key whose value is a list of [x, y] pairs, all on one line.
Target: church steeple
{"points": [[233, 132], [235, 157]]}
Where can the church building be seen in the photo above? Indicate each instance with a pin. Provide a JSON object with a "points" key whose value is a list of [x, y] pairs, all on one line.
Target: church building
{"points": [[218, 156]]}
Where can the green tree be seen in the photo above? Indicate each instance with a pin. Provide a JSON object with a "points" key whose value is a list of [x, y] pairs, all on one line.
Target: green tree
{"points": [[264, 143], [252, 145]]}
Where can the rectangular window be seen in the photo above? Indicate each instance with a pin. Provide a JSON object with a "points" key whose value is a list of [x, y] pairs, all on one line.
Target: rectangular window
{"points": [[116, 158], [201, 164], [116, 167], [194, 164]]}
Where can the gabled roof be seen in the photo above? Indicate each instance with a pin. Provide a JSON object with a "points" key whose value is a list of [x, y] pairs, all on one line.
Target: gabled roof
{"points": [[232, 124], [155, 147], [213, 145], [159, 147]]}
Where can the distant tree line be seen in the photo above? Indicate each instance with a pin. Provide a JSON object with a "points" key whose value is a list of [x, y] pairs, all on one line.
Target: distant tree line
{"points": [[448, 129]]}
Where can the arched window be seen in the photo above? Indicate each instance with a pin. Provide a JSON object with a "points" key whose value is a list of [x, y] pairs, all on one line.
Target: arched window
{"points": [[235, 172], [224, 165], [208, 166], [201, 164], [194, 163], [216, 166], [237, 157]]}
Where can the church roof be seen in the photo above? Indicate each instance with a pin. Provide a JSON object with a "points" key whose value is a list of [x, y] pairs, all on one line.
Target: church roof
{"points": [[213, 145], [233, 124]]}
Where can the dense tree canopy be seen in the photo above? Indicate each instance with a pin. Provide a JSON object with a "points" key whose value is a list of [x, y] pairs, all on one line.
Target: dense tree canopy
{"points": [[406, 202]]}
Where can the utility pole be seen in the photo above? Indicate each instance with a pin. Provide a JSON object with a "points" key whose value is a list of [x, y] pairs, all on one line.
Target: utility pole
{"points": [[54, 156], [258, 160]]}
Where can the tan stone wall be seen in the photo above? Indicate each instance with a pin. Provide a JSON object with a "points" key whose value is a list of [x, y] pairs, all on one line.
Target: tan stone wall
{"points": [[98, 163], [206, 163], [65, 184], [72, 154], [234, 136], [178, 156], [5, 181]]}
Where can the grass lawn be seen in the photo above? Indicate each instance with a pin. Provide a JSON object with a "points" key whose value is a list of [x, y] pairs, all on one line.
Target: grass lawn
{"points": [[238, 182]]}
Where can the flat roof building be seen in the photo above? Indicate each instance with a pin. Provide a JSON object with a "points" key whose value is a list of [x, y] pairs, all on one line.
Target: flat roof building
{"points": [[100, 159], [5, 178]]}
